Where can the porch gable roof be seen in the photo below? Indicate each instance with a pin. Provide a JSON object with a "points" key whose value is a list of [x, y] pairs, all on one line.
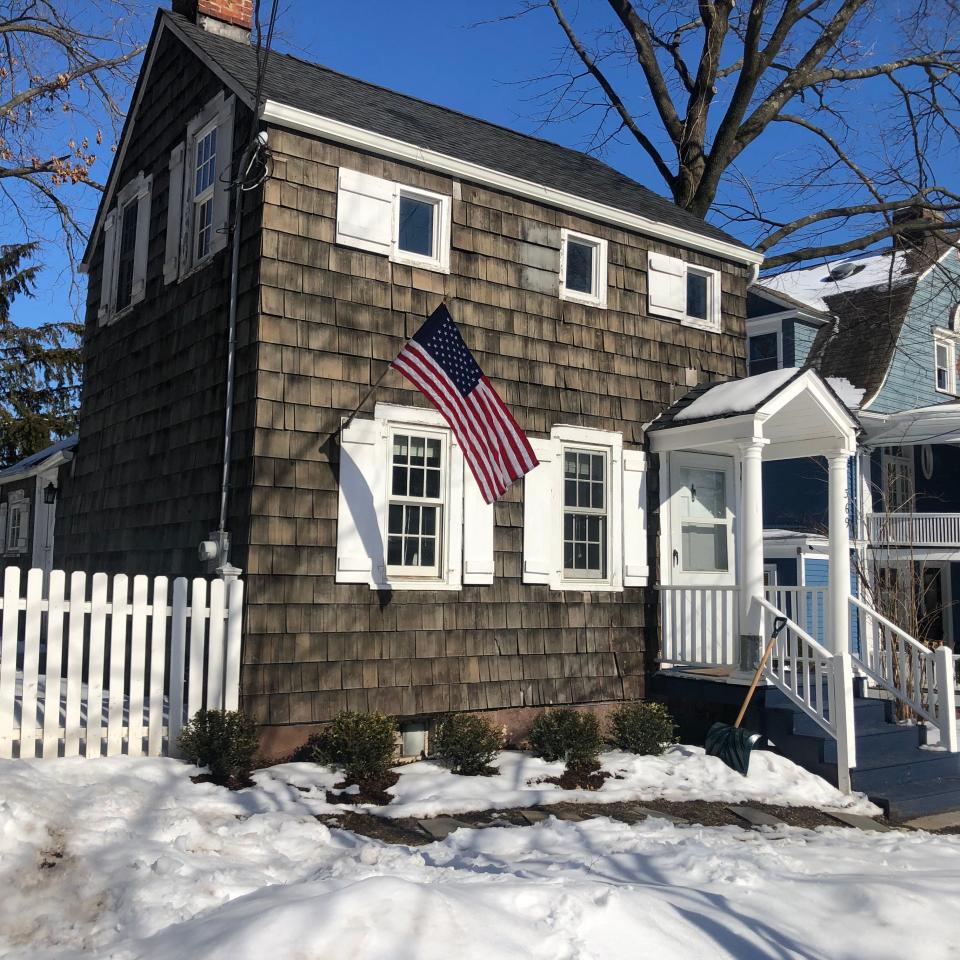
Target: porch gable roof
{"points": [[795, 410]]}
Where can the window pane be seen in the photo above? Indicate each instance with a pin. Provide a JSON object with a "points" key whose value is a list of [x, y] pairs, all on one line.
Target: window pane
{"points": [[204, 227], [399, 448], [429, 515], [399, 486], [697, 295], [411, 552], [416, 226], [395, 521], [433, 483], [763, 353], [128, 243], [206, 161], [394, 550], [707, 496], [416, 451], [579, 267], [433, 453], [704, 546], [412, 520], [568, 555], [416, 481], [429, 548]]}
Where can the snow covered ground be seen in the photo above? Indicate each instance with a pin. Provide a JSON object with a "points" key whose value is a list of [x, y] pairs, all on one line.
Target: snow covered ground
{"points": [[126, 858]]}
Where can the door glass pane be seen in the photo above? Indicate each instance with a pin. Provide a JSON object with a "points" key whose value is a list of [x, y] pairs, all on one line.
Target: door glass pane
{"points": [[704, 547], [705, 494]]}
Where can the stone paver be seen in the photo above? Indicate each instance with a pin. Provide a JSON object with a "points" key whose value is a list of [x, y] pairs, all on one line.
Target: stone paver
{"points": [[756, 818], [858, 820], [936, 821], [441, 827], [650, 812], [534, 816]]}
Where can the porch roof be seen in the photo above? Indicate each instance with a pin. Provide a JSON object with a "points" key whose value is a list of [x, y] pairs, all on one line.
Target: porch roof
{"points": [[795, 410], [936, 424]]}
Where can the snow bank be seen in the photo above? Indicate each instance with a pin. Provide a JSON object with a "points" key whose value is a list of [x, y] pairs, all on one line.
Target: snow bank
{"points": [[682, 773], [126, 859]]}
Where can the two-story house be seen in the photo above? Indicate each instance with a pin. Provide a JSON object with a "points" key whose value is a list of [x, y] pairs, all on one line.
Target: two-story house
{"points": [[888, 323], [377, 578]]}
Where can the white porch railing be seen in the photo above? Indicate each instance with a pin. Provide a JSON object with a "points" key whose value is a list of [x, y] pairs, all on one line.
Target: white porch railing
{"points": [[819, 683], [921, 678], [104, 672], [700, 625], [805, 606], [914, 529]]}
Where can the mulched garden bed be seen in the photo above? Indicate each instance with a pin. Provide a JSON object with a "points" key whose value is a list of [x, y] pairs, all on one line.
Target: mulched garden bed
{"points": [[233, 783], [371, 791]]}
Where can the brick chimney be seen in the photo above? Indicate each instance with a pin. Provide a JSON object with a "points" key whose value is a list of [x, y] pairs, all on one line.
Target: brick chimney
{"points": [[924, 242], [228, 18]]}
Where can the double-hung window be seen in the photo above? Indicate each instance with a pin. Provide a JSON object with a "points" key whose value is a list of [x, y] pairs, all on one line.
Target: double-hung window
{"points": [[946, 358], [583, 269], [198, 205], [585, 501], [763, 352], [16, 534], [684, 291], [126, 237], [415, 511]]}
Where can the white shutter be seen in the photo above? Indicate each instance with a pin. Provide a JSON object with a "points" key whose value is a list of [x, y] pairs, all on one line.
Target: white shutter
{"points": [[667, 286], [454, 507], [477, 533], [635, 567], [365, 211], [107, 290], [141, 248], [222, 191], [363, 492], [541, 515], [171, 256]]}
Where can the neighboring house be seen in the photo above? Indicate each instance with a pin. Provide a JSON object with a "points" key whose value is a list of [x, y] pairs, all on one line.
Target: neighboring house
{"points": [[887, 323], [29, 491], [376, 576]]}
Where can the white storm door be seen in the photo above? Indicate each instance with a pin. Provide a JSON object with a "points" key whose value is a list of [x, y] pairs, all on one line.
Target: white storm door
{"points": [[702, 550]]}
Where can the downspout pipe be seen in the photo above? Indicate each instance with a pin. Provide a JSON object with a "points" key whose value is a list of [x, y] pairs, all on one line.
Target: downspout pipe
{"points": [[222, 535]]}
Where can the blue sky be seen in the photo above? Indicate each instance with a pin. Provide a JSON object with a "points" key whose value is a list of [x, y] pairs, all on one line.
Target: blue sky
{"points": [[438, 51], [434, 50]]}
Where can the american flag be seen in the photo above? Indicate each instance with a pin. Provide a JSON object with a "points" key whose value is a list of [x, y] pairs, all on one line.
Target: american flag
{"points": [[440, 365]]}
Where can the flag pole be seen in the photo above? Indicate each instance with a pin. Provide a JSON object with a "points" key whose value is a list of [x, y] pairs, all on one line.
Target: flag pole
{"points": [[346, 422]]}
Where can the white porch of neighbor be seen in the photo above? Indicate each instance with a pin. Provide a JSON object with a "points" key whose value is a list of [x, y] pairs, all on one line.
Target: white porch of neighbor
{"points": [[716, 611]]}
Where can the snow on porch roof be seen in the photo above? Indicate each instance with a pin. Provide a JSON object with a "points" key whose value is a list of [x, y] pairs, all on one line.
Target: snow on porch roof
{"points": [[936, 424], [736, 396]]}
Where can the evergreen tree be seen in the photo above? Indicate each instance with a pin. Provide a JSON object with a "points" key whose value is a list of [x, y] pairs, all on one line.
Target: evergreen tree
{"points": [[39, 367]]}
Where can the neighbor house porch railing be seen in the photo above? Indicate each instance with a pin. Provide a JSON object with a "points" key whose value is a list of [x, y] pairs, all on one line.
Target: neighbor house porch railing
{"points": [[817, 681], [922, 678], [914, 529], [700, 625]]}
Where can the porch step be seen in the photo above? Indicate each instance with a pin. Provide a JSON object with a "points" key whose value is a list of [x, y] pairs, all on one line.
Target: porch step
{"points": [[905, 803]]}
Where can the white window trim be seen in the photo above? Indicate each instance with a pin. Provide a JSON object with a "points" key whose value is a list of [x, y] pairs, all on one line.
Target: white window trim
{"points": [[137, 191], [434, 573], [773, 328], [218, 112], [18, 505], [582, 438], [440, 261], [598, 296], [949, 341], [712, 321], [205, 195]]}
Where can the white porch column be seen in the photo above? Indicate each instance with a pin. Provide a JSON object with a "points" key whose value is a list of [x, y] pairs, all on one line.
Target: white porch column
{"points": [[838, 639], [751, 550]]}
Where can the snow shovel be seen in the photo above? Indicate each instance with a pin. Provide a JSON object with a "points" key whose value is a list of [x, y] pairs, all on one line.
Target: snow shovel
{"points": [[733, 744]]}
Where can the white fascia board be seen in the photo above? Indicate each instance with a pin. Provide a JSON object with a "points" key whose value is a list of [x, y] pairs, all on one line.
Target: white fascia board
{"points": [[44, 466], [720, 432], [297, 119]]}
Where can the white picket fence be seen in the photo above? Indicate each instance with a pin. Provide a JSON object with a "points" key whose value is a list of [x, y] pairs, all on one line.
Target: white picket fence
{"points": [[110, 673]]}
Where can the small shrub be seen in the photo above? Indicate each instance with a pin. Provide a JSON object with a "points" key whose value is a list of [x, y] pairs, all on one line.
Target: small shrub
{"points": [[644, 728], [363, 744], [569, 735], [467, 743], [223, 740]]}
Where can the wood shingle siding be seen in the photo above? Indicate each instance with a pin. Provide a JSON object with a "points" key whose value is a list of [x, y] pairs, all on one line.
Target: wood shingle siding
{"points": [[331, 319]]}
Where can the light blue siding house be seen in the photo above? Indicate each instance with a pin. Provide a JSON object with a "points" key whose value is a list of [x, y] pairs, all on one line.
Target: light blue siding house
{"points": [[884, 329]]}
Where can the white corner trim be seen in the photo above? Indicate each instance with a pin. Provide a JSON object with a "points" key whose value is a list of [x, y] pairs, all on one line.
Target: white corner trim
{"points": [[308, 122]]}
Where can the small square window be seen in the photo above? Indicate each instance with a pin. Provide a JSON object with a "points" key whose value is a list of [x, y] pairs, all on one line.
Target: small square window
{"points": [[763, 353], [417, 228], [583, 275], [697, 294]]}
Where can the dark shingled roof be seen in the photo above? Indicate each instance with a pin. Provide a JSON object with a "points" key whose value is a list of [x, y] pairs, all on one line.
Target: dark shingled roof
{"points": [[319, 90]]}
